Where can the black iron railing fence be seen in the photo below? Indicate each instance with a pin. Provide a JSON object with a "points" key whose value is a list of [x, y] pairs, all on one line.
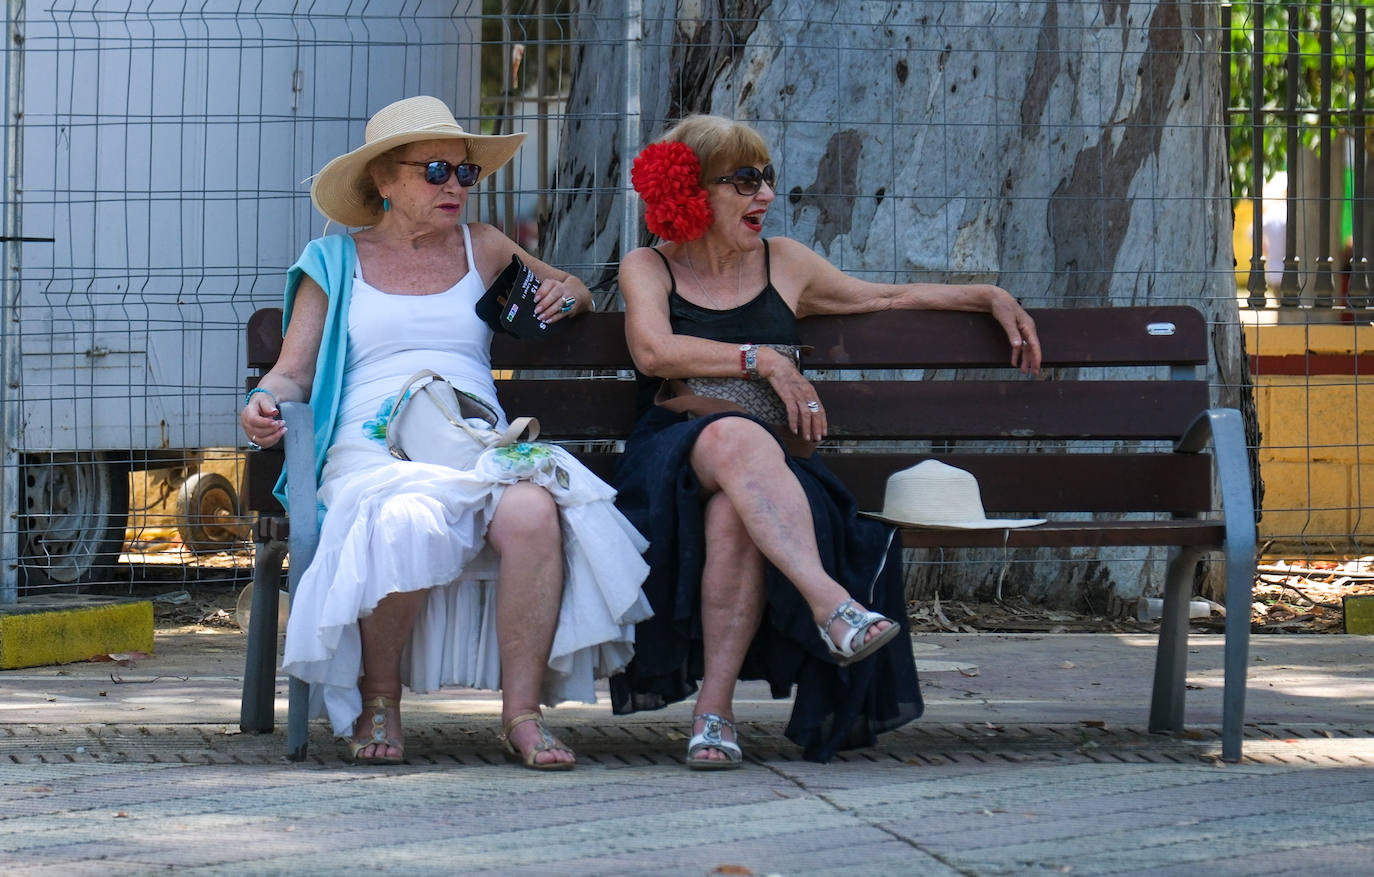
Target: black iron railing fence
{"points": [[1324, 267]]}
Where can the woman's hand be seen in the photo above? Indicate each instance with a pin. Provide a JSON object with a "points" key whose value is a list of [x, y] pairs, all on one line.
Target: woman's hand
{"points": [[261, 419], [1020, 329], [560, 294], [805, 414], [560, 299]]}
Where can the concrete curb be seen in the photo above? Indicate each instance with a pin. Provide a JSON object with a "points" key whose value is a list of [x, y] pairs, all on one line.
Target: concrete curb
{"points": [[63, 629]]}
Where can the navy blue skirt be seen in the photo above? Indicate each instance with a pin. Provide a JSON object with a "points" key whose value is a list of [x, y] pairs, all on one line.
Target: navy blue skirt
{"points": [[835, 707]]}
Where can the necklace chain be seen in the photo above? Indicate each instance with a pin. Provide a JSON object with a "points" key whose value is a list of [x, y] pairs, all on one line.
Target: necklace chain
{"points": [[739, 280]]}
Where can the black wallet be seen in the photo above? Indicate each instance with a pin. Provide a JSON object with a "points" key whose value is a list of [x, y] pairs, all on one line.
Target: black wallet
{"points": [[509, 303]]}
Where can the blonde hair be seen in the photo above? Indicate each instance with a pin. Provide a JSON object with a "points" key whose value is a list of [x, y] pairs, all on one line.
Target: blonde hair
{"points": [[720, 144]]}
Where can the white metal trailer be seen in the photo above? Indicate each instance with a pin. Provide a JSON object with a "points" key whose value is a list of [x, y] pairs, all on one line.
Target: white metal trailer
{"points": [[154, 159]]}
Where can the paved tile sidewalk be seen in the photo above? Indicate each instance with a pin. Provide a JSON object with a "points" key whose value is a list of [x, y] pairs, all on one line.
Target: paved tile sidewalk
{"points": [[1032, 759]]}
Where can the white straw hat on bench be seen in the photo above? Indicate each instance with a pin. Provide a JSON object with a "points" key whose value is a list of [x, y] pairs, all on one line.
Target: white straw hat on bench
{"points": [[933, 494]]}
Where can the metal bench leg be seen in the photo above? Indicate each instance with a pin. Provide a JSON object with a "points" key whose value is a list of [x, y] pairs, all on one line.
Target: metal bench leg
{"points": [[1240, 566], [257, 704], [1171, 658], [297, 719]]}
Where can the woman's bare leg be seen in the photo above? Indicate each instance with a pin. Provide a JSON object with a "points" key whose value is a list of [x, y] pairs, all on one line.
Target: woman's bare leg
{"points": [[384, 634], [526, 532], [732, 600], [739, 458]]}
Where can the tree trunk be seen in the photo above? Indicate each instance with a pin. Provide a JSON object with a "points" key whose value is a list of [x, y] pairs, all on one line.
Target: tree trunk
{"points": [[1072, 153]]}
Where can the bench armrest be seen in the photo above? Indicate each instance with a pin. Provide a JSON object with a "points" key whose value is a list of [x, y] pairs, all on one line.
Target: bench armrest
{"points": [[301, 500], [302, 509], [1224, 427]]}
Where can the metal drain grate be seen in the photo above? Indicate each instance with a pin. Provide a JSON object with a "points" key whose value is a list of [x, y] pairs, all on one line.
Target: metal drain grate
{"points": [[615, 745]]}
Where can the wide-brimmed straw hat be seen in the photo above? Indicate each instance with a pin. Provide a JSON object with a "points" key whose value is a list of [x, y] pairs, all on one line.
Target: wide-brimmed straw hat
{"points": [[342, 188], [933, 494]]}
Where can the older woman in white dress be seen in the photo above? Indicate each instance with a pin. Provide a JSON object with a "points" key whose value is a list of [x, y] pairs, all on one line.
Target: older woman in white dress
{"points": [[428, 575]]}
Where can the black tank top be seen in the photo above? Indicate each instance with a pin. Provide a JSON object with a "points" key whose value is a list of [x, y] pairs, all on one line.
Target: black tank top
{"points": [[764, 319]]}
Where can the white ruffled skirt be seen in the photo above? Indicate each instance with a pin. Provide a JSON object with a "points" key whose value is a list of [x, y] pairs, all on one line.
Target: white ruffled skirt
{"points": [[395, 526]]}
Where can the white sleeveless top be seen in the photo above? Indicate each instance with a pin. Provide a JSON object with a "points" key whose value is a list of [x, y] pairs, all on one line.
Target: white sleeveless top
{"points": [[390, 337]]}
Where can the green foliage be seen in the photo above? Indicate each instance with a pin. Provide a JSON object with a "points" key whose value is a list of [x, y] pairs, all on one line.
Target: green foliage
{"points": [[510, 23], [1274, 82]]}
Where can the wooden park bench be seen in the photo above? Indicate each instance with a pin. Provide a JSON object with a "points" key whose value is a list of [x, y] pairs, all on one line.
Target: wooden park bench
{"points": [[1110, 445]]}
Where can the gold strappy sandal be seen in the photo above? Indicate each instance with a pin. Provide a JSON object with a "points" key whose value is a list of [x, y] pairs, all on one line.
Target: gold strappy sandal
{"points": [[377, 737], [547, 742]]}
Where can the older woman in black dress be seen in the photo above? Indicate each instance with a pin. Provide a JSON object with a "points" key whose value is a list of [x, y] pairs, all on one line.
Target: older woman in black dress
{"points": [[760, 566]]}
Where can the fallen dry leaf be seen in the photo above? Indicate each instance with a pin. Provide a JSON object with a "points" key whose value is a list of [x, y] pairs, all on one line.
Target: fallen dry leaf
{"points": [[1065, 665], [968, 671], [731, 869], [123, 659], [1094, 723]]}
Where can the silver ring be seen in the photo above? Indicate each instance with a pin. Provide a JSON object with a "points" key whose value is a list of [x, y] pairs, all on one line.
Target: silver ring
{"points": [[254, 446], [813, 405], [568, 304]]}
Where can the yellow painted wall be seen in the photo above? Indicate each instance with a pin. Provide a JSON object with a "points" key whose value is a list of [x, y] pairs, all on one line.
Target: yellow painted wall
{"points": [[1316, 440]]}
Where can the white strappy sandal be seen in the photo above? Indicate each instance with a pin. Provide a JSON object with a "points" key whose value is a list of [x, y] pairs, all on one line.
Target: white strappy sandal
{"points": [[847, 652], [710, 738]]}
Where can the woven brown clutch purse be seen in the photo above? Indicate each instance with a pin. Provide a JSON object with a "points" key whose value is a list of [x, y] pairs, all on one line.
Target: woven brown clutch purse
{"points": [[755, 397]]}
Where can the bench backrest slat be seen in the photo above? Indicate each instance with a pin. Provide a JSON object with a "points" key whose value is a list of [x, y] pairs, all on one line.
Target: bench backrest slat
{"points": [[1173, 335], [1023, 484], [1021, 410], [872, 410], [892, 339]]}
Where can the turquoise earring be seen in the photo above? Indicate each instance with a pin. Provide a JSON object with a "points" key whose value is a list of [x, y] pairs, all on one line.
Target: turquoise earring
{"points": [[386, 205]]}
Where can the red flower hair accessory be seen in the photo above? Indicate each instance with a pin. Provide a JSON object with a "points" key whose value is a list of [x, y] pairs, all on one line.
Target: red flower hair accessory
{"points": [[667, 176]]}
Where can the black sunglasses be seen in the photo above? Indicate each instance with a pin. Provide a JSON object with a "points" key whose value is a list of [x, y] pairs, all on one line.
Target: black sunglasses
{"points": [[747, 180], [438, 172]]}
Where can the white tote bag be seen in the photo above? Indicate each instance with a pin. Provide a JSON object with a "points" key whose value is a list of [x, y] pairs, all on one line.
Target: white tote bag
{"points": [[430, 423]]}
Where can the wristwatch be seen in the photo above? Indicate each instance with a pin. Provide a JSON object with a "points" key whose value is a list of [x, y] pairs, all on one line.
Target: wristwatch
{"points": [[749, 361]]}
